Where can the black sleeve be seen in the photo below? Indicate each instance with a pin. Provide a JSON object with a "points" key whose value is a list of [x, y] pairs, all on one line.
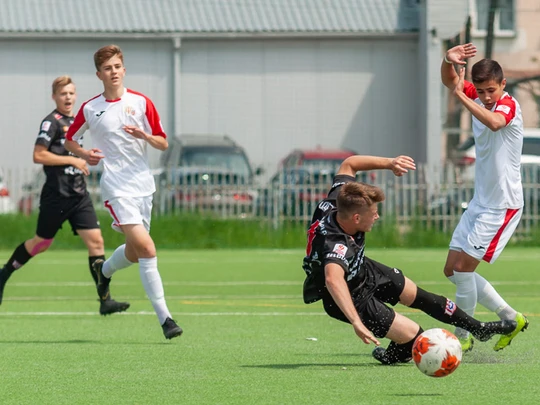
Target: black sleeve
{"points": [[47, 132], [337, 251]]}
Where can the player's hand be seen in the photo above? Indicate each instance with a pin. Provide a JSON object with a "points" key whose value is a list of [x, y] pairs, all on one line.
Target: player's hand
{"points": [[459, 54], [94, 156], [401, 165], [136, 132], [81, 165], [461, 81], [363, 333]]}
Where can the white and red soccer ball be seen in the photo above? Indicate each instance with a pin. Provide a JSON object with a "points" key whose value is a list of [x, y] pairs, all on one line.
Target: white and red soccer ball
{"points": [[437, 352]]}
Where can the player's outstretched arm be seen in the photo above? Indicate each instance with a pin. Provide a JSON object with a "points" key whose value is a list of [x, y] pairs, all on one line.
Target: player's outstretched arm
{"points": [[337, 287], [357, 163], [456, 55]]}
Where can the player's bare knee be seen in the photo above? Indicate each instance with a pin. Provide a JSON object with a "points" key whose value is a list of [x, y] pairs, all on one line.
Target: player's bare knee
{"points": [[40, 246]]}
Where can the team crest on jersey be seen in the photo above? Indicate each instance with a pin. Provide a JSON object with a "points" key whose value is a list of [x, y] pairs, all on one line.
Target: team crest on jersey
{"points": [[57, 116], [45, 126], [340, 249], [129, 110]]}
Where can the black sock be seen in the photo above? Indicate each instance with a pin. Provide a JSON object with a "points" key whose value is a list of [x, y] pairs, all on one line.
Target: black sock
{"points": [[444, 310], [18, 259], [91, 260], [400, 353]]}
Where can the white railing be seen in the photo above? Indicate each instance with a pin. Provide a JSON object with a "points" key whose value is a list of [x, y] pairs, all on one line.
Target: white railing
{"points": [[430, 197]]}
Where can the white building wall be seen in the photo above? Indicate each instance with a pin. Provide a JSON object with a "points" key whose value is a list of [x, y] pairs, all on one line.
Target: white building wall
{"points": [[28, 67], [272, 96], [269, 95]]}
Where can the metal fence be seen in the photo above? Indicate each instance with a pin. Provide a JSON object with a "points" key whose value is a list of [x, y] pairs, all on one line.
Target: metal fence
{"points": [[428, 197]]}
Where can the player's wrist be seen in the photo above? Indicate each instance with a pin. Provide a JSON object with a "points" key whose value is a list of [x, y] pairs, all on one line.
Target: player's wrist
{"points": [[446, 59]]}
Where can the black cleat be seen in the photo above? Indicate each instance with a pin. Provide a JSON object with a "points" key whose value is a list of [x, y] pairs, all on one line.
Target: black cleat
{"points": [[489, 329], [379, 354], [4, 277], [103, 282], [171, 329], [111, 306]]}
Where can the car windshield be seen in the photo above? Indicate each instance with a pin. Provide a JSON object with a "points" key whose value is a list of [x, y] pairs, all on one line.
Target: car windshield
{"points": [[225, 159], [531, 146]]}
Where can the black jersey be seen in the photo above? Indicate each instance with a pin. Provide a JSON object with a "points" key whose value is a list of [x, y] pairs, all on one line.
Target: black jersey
{"points": [[328, 243], [65, 181]]}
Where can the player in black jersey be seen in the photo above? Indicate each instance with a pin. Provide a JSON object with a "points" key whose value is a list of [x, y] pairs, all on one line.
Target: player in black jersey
{"points": [[64, 196], [356, 289]]}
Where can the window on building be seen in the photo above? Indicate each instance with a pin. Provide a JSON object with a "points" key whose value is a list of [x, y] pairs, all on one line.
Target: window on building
{"points": [[504, 22]]}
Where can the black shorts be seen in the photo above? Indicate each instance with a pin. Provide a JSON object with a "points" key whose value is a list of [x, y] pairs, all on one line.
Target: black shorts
{"points": [[55, 210], [383, 285]]}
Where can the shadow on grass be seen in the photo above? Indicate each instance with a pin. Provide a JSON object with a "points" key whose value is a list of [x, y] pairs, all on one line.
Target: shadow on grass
{"points": [[81, 341], [301, 365]]}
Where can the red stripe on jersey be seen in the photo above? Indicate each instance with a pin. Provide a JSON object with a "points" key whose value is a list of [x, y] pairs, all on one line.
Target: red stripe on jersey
{"points": [[506, 106], [493, 245], [470, 90], [79, 120], [151, 115]]}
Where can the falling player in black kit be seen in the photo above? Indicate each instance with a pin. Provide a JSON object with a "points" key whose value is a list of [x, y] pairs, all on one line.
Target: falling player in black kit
{"points": [[64, 196], [356, 289]]}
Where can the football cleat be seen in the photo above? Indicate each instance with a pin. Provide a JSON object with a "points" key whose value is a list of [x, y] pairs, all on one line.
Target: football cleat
{"points": [[505, 340], [171, 329], [488, 329], [111, 306], [379, 354], [466, 343]]}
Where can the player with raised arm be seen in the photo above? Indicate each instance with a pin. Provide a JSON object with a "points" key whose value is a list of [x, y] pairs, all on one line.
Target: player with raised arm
{"points": [[356, 289], [495, 210], [123, 123], [64, 196]]}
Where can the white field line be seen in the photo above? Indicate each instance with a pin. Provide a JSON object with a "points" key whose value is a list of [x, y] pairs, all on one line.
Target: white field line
{"points": [[179, 314], [230, 283]]}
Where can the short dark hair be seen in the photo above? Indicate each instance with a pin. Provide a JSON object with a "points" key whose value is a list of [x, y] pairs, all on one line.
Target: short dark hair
{"points": [[353, 197], [105, 53], [485, 70]]}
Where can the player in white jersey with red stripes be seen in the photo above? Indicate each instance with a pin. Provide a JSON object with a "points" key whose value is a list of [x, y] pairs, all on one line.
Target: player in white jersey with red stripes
{"points": [[123, 123], [496, 208]]}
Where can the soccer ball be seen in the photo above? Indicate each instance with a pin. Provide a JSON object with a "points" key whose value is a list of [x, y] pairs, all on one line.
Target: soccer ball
{"points": [[437, 352]]}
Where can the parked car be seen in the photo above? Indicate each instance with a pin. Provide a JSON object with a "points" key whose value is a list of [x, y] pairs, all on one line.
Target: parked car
{"points": [[6, 203], [304, 177], [207, 172]]}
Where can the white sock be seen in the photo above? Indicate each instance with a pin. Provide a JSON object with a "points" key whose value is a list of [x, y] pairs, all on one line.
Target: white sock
{"points": [[117, 261], [490, 298], [153, 286], [466, 295]]}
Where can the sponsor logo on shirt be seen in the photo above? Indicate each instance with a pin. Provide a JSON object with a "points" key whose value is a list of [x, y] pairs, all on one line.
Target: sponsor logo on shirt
{"points": [[44, 136], [45, 126], [503, 108], [340, 249]]}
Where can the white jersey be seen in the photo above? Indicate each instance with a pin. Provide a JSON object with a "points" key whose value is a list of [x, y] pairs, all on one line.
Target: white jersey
{"points": [[497, 182], [125, 166]]}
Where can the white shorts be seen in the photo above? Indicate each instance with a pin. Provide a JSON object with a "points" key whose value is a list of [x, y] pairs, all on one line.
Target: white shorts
{"points": [[130, 211], [484, 232]]}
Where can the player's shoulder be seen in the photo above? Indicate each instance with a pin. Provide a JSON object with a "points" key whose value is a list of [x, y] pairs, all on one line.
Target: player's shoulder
{"points": [[137, 95]]}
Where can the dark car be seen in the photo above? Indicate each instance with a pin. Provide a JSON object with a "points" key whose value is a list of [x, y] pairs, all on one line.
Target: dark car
{"points": [[207, 172]]}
